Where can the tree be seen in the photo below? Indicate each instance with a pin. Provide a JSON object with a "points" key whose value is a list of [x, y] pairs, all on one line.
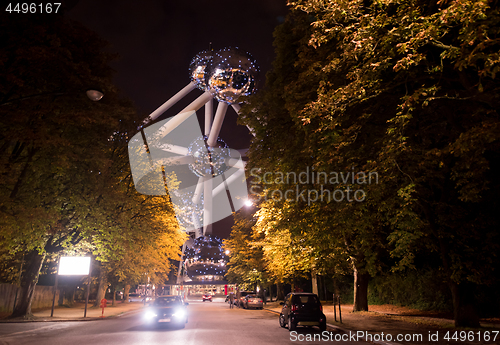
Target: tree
{"points": [[136, 236], [246, 266], [412, 87], [148, 250], [323, 230], [405, 90], [64, 178]]}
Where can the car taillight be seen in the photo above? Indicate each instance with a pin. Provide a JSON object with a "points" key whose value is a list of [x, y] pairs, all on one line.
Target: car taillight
{"points": [[321, 308], [294, 307]]}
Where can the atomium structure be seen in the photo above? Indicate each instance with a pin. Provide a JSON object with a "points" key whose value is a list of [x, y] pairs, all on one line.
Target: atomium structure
{"points": [[175, 150], [188, 214], [208, 160], [205, 260]]}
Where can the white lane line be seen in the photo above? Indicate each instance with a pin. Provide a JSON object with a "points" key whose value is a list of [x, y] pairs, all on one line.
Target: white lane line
{"points": [[33, 330]]}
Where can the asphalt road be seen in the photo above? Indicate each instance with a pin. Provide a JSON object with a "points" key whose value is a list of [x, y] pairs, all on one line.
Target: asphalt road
{"points": [[209, 323]]}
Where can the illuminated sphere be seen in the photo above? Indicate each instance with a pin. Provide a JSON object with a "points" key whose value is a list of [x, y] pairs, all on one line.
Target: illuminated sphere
{"points": [[187, 210], [211, 161], [206, 260], [232, 73], [198, 67]]}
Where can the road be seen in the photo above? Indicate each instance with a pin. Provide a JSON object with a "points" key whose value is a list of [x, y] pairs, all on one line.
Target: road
{"points": [[210, 323]]}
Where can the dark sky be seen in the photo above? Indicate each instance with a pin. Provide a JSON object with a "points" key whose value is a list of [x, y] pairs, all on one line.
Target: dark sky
{"points": [[156, 40]]}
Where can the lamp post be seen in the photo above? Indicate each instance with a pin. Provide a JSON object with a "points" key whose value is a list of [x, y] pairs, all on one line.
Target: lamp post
{"points": [[88, 291], [55, 288]]}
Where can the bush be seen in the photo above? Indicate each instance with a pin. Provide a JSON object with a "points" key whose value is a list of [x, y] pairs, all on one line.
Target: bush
{"points": [[424, 290]]}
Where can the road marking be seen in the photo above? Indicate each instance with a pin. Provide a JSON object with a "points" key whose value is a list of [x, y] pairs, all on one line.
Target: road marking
{"points": [[31, 330]]}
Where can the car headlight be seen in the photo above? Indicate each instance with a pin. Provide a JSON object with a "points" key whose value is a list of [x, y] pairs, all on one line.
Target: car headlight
{"points": [[179, 313], [150, 315]]}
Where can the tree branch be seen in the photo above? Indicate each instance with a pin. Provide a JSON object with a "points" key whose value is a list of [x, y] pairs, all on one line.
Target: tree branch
{"points": [[441, 45]]}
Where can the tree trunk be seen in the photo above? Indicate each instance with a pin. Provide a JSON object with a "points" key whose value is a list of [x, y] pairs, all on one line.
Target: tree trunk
{"points": [[279, 292], [101, 290], [22, 176], [34, 262], [113, 290], [464, 310], [66, 295], [125, 293], [360, 291], [314, 282], [336, 289], [69, 295], [62, 295], [323, 282]]}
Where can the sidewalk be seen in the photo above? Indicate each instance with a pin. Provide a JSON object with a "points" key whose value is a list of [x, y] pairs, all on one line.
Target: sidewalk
{"points": [[75, 313], [413, 325]]}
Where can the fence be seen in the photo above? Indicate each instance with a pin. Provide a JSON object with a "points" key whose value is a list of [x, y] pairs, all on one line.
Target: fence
{"points": [[41, 299]]}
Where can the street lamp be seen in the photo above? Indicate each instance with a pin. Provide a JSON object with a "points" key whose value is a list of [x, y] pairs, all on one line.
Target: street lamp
{"points": [[93, 94]]}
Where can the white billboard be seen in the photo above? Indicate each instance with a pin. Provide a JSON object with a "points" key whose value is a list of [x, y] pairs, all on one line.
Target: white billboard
{"points": [[74, 266]]}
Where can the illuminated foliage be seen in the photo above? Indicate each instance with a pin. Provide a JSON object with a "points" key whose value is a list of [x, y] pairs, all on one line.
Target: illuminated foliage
{"points": [[246, 266], [65, 179], [406, 89]]}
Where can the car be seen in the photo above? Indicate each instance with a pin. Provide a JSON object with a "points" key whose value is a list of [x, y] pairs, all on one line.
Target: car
{"points": [[302, 309], [135, 297], [240, 295], [168, 308], [207, 297], [252, 301]]}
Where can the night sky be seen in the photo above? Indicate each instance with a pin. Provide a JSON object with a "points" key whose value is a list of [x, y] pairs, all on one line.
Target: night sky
{"points": [[156, 40]]}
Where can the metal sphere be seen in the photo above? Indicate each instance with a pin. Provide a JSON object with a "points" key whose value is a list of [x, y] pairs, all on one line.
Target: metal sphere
{"points": [[231, 74], [186, 210], [208, 161], [206, 260], [198, 67]]}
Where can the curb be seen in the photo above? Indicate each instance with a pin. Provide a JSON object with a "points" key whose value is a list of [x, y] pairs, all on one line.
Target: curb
{"points": [[345, 331], [48, 319]]}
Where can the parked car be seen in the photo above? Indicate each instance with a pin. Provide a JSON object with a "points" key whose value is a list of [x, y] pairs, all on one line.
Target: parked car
{"points": [[240, 295], [207, 297], [252, 301], [168, 308], [135, 297], [302, 309]]}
